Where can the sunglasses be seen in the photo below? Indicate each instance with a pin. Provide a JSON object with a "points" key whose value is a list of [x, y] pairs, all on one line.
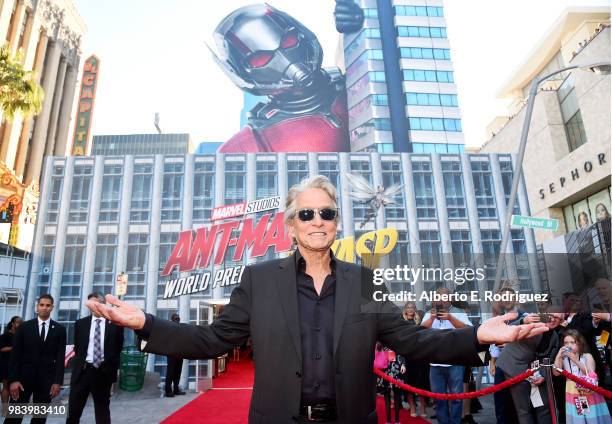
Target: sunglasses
{"points": [[326, 214]]}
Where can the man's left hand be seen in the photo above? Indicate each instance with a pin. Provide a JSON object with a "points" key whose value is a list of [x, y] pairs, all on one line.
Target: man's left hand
{"points": [[496, 331], [55, 390], [348, 16]]}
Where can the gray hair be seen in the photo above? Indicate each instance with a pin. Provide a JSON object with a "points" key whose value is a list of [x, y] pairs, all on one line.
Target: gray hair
{"points": [[318, 181]]}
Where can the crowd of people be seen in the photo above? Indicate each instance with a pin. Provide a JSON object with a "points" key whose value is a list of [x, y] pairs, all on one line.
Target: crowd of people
{"points": [[578, 342]]}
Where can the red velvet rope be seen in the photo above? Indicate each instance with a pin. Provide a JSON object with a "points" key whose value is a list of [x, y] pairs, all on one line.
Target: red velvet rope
{"points": [[454, 396], [605, 393]]}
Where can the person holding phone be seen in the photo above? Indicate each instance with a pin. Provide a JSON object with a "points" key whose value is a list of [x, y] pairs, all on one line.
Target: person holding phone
{"points": [[446, 378]]}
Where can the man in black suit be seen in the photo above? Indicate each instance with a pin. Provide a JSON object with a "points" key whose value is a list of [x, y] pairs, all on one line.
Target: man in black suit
{"points": [[173, 369], [313, 338], [97, 348], [36, 366]]}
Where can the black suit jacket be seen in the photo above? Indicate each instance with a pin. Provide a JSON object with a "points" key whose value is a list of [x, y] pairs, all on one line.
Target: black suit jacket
{"points": [[265, 307], [35, 363], [113, 343]]}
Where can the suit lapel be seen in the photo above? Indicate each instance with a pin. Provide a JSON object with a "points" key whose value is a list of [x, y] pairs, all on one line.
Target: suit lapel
{"points": [[286, 283], [36, 329], [107, 330], [343, 294], [86, 329], [51, 324]]}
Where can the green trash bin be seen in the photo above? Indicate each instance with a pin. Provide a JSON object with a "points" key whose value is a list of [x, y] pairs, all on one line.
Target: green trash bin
{"points": [[132, 369]]}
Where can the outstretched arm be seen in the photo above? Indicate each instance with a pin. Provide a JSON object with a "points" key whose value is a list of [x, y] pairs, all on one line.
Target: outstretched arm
{"points": [[189, 341], [348, 16]]}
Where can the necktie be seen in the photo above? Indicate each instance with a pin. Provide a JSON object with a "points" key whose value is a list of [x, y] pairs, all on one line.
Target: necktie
{"points": [[97, 352], [42, 332]]}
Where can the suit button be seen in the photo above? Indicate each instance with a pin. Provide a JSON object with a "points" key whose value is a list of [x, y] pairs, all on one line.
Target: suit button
{"points": [[298, 374]]}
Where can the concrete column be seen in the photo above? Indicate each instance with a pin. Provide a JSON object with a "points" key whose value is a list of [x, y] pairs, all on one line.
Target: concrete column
{"points": [[60, 237], [65, 111], [442, 212], [5, 138], [411, 216], [282, 179], [55, 108], [41, 51], [186, 224], [92, 233], [153, 252], [27, 33], [500, 200], [312, 164], [472, 213], [346, 206], [36, 254], [22, 147], [37, 148], [17, 22], [6, 11], [217, 292], [124, 214], [380, 214]]}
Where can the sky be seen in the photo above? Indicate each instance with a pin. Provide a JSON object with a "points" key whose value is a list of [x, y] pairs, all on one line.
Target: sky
{"points": [[153, 58]]}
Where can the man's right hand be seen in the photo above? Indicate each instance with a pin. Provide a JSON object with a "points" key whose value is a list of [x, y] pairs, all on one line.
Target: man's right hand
{"points": [[119, 312], [15, 388]]}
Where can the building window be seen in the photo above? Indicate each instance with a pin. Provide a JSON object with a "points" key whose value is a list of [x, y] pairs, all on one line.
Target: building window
{"points": [[329, 168], [67, 318], [297, 170], [72, 271], [400, 255], [424, 190], [137, 255], [265, 179], [392, 174], [79, 197], [453, 190], [362, 168], [483, 189], [424, 53], [141, 193], [431, 253], [172, 192], [235, 176], [421, 31], [104, 268], [432, 99], [435, 11], [461, 245], [507, 174], [376, 124], [491, 242], [203, 190], [435, 124], [111, 193], [570, 111], [428, 75], [57, 179], [521, 258], [167, 241], [46, 264]]}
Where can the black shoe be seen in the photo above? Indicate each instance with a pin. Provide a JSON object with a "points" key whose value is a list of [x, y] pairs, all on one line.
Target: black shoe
{"points": [[169, 394], [179, 392], [468, 419]]}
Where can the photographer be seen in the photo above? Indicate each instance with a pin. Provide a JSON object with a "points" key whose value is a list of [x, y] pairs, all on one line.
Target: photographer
{"points": [[446, 378]]}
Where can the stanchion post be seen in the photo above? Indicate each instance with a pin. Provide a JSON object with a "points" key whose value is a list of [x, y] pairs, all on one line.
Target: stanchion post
{"points": [[550, 389]]}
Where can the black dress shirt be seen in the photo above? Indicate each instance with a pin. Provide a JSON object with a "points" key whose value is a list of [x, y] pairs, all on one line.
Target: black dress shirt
{"points": [[316, 314]]}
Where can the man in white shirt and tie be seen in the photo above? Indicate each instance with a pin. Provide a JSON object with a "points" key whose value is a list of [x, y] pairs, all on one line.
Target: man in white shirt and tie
{"points": [[97, 348]]}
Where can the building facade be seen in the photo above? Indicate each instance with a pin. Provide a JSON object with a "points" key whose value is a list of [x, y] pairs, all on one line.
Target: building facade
{"points": [[14, 264], [568, 156], [400, 84], [104, 215], [49, 33], [142, 144]]}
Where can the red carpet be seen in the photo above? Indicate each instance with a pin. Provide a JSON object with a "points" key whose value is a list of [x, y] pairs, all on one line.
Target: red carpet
{"points": [[228, 401]]}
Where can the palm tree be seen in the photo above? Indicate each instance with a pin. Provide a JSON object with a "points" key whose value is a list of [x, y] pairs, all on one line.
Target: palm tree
{"points": [[19, 91]]}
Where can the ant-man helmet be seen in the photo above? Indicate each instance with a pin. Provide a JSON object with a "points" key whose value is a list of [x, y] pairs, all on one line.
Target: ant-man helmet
{"points": [[267, 52]]}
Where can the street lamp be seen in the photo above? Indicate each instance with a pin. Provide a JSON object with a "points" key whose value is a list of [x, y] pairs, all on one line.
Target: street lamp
{"points": [[601, 67]]}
